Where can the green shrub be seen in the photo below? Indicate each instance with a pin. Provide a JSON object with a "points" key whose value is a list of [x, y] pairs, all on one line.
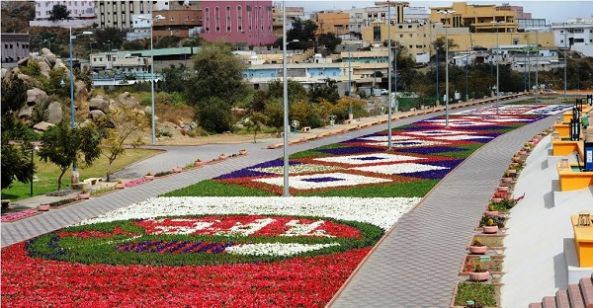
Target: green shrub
{"points": [[481, 293]]}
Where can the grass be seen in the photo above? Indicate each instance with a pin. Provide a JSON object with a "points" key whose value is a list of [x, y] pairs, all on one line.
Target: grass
{"points": [[491, 241], [47, 174], [410, 189], [481, 293], [209, 188]]}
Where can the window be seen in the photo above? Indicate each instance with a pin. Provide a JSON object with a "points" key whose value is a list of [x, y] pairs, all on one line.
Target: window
{"points": [[207, 19], [217, 17], [228, 19], [239, 19], [249, 18], [377, 33], [401, 36]]}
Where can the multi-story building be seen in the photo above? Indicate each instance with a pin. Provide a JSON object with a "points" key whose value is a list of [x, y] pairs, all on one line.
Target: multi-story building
{"points": [[119, 14], [533, 24], [141, 24], [176, 22], [292, 14], [337, 23], [15, 46], [248, 22], [82, 14], [400, 13], [576, 34], [415, 37], [478, 18]]}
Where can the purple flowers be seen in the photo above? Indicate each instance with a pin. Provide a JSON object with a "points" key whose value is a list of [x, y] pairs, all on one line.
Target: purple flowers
{"points": [[175, 247]]}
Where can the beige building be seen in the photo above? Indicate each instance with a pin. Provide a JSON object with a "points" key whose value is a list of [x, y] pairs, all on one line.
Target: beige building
{"points": [[292, 13], [478, 18], [415, 37], [466, 40], [118, 14], [332, 22]]}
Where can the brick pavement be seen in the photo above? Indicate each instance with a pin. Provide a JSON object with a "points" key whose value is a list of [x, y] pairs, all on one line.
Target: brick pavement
{"points": [[417, 263]]}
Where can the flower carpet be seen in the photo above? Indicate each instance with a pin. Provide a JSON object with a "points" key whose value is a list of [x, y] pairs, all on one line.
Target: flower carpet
{"points": [[234, 249]]}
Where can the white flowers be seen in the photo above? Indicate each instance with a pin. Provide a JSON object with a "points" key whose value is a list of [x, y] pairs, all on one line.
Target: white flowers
{"points": [[364, 159], [382, 212], [275, 249], [323, 180], [400, 168], [297, 169]]}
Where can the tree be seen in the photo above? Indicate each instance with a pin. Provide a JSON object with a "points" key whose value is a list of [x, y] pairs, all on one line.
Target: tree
{"points": [[274, 113], [302, 34], [439, 46], [168, 41], [128, 121], [109, 38], [218, 73], [255, 121], [136, 44], [327, 90], [330, 41], [173, 79], [214, 115], [296, 91], [65, 146], [59, 12]]}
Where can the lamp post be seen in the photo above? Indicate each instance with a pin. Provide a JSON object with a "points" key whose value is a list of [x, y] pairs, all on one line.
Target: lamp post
{"points": [[72, 112], [286, 192], [536, 67], [446, 13], [565, 62], [152, 104], [350, 111], [497, 59], [33, 149]]}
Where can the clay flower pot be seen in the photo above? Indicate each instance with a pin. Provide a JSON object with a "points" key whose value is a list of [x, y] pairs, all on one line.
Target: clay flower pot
{"points": [[120, 186], [84, 196], [43, 207], [198, 163], [508, 180], [496, 199], [479, 276], [491, 213], [149, 177], [221, 156], [177, 170], [478, 250], [243, 152], [490, 229]]}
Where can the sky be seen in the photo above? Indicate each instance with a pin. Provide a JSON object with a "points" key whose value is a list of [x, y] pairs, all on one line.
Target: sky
{"points": [[553, 11]]}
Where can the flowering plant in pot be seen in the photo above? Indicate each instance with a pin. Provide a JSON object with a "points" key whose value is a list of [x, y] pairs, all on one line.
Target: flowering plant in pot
{"points": [[492, 210], [177, 169], [84, 194], [222, 156], [149, 176], [43, 207], [479, 273], [478, 248], [243, 152], [198, 163], [120, 184], [490, 227]]}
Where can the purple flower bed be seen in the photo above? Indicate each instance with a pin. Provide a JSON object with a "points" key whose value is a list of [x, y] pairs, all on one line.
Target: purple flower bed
{"points": [[175, 247], [247, 172], [349, 150]]}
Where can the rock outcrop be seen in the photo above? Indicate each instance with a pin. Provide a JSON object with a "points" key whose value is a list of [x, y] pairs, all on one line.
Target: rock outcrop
{"points": [[55, 114]]}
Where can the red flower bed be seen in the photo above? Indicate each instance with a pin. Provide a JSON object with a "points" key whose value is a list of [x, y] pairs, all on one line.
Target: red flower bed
{"points": [[28, 282]]}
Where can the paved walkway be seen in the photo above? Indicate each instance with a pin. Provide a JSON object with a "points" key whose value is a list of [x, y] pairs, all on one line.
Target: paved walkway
{"points": [[417, 264], [59, 218], [534, 263]]}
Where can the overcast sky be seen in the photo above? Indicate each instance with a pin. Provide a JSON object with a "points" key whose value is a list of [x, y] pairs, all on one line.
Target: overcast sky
{"points": [[553, 11]]}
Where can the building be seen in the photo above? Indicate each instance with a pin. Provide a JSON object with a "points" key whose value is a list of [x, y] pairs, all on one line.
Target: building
{"points": [[15, 46], [176, 22], [82, 14], [139, 60], [248, 22], [415, 37], [576, 34], [466, 40], [119, 14], [400, 13], [533, 24], [292, 14], [337, 23], [478, 18], [140, 27]]}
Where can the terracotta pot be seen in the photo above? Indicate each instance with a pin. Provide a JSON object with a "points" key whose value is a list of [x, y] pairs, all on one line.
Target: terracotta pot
{"points": [[198, 163], [522, 153], [508, 180], [503, 189], [177, 170], [496, 199], [479, 276], [491, 213], [84, 196], [221, 156], [490, 229], [120, 186], [478, 250], [43, 207], [243, 152], [149, 177]]}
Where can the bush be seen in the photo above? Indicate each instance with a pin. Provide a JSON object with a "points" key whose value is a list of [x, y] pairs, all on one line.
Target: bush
{"points": [[214, 115]]}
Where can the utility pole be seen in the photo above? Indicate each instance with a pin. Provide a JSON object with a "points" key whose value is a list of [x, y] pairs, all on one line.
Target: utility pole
{"points": [[285, 101], [537, 66], [350, 111], [565, 63]]}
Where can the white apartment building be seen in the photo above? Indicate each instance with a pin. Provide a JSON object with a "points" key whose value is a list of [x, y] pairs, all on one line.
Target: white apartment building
{"points": [[576, 34], [82, 14], [119, 14], [361, 17], [141, 27], [121, 61]]}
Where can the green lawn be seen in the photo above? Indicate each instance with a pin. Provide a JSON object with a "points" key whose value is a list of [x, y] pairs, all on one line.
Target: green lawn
{"points": [[47, 174]]}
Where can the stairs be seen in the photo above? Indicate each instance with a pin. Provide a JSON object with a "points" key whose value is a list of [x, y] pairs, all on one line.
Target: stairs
{"points": [[576, 296]]}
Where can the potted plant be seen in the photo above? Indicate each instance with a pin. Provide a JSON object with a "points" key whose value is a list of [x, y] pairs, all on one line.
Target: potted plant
{"points": [[478, 248], [222, 156], [198, 163], [177, 169], [492, 211], [120, 185], [149, 176], [84, 195], [43, 207], [243, 152], [479, 273], [491, 227]]}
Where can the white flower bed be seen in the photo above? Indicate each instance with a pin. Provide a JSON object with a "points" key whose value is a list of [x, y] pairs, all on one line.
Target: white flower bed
{"points": [[365, 159], [400, 168], [438, 132], [382, 212], [323, 180], [297, 169], [275, 249], [462, 137], [409, 143], [385, 137]]}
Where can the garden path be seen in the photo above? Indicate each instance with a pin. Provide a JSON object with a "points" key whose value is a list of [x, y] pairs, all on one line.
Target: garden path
{"points": [[417, 263]]}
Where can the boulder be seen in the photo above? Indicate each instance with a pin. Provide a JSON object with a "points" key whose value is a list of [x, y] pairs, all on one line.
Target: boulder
{"points": [[148, 110], [55, 113], [99, 103], [44, 68], [42, 126], [26, 112], [4, 72], [36, 96], [23, 61], [61, 65], [96, 114], [48, 55]]}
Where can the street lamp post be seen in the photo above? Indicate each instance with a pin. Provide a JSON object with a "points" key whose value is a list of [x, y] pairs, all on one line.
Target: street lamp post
{"points": [[536, 67], [152, 104], [565, 63], [33, 149], [350, 111], [286, 192], [497, 59], [446, 13]]}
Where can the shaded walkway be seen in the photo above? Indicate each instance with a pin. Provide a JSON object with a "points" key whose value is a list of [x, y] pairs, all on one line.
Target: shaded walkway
{"points": [[417, 264]]}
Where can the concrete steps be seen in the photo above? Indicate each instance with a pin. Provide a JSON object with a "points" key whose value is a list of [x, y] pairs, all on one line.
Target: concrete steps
{"points": [[576, 296]]}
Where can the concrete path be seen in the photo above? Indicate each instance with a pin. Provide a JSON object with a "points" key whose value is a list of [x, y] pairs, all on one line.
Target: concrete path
{"points": [[59, 218], [417, 264], [534, 263]]}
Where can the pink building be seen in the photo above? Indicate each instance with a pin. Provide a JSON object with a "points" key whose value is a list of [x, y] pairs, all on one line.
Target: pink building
{"points": [[237, 22]]}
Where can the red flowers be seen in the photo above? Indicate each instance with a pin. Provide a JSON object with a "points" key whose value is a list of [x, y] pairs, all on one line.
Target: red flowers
{"points": [[28, 282]]}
